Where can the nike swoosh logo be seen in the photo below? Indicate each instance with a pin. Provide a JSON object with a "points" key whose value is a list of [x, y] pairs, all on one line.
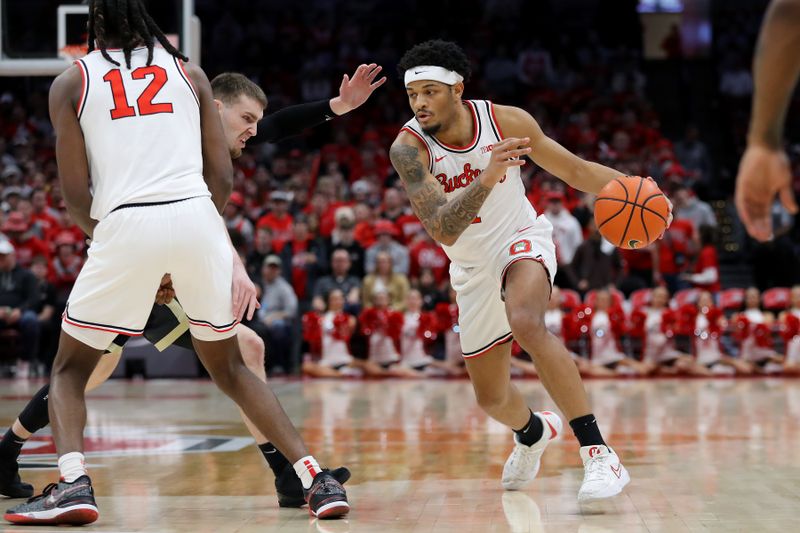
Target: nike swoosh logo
{"points": [[617, 471], [552, 429], [419, 71], [440, 158]]}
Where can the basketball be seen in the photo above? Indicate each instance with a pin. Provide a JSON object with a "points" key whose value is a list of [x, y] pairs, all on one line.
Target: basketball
{"points": [[631, 212]]}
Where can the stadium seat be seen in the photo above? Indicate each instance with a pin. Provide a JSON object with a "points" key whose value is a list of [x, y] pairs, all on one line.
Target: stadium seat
{"points": [[617, 298], [731, 299], [776, 299], [685, 296]]}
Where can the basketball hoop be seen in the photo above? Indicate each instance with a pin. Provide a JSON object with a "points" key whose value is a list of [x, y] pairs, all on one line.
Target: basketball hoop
{"points": [[72, 52]]}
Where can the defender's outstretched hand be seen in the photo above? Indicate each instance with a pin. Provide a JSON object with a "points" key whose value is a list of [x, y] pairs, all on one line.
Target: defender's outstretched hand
{"points": [[354, 91]]}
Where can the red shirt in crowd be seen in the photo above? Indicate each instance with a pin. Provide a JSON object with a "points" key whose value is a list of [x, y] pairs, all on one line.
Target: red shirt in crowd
{"points": [[676, 242], [46, 221], [426, 254], [708, 259], [29, 249], [364, 234], [409, 226], [637, 259], [64, 271], [75, 230], [299, 268], [281, 228]]}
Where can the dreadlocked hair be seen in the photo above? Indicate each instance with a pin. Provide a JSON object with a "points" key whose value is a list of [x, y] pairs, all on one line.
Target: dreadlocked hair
{"points": [[438, 53], [128, 22]]}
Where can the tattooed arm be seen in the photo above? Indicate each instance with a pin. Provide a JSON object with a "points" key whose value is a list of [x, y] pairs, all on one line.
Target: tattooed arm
{"points": [[446, 221]]}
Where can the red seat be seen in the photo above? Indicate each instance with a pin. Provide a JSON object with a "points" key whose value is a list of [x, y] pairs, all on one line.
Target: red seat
{"points": [[776, 299], [570, 299], [641, 298], [617, 298], [686, 296], [731, 299]]}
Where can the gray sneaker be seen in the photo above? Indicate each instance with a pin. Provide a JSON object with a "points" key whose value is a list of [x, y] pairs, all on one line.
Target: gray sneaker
{"points": [[62, 503]]}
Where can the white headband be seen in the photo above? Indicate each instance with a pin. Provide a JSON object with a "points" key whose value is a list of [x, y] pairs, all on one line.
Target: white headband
{"points": [[429, 72]]}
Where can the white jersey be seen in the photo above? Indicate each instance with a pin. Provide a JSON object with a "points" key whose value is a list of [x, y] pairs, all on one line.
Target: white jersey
{"points": [[412, 347], [335, 352], [658, 347], [706, 346], [142, 130], [504, 212], [604, 344]]}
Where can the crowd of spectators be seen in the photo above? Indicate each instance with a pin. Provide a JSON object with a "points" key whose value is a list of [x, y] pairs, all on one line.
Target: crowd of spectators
{"points": [[324, 212]]}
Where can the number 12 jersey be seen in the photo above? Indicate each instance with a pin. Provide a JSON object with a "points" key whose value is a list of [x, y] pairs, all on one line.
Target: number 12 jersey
{"points": [[141, 127]]}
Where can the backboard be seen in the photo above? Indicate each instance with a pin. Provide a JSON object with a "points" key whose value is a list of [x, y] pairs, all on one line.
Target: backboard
{"points": [[43, 37]]}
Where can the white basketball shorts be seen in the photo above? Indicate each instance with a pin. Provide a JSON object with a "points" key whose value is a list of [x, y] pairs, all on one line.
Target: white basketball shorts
{"points": [[482, 316], [132, 248]]}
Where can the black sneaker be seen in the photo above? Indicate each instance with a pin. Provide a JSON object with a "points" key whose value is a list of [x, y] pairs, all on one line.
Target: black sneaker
{"points": [[62, 503], [290, 489], [10, 483], [327, 498]]}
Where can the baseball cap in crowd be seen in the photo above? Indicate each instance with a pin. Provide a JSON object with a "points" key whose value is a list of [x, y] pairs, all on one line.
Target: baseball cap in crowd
{"points": [[14, 222], [236, 199], [6, 247], [385, 227], [11, 191], [11, 170], [345, 217], [554, 196], [361, 187], [280, 196], [65, 238], [273, 260]]}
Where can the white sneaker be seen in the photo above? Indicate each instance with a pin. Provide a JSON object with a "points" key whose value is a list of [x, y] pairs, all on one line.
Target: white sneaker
{"points": [[523, 463], [604, 475]]}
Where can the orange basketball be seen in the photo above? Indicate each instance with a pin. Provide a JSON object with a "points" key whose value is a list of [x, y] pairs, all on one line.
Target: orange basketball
{"points": [[631, 212]]}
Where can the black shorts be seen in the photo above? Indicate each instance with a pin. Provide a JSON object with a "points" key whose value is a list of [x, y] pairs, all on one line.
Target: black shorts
{"points": [[166, 326]]}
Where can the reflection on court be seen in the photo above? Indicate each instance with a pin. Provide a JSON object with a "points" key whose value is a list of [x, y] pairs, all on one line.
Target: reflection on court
{"points": [[716, 455]]}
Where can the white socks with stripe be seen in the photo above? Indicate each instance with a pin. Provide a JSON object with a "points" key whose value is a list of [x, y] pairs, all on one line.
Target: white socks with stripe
{"points": [[72, 466], [307, 469]]}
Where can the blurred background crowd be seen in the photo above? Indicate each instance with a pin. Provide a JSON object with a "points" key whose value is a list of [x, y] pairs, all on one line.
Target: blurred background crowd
{"points": [[323, 214]]}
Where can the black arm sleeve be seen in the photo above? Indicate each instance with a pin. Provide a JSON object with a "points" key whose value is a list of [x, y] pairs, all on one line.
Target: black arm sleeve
{"points": [[294, 119]]}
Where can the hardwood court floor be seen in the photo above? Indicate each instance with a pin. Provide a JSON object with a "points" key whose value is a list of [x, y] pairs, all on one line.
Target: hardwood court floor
{"points": [[718, 455]]}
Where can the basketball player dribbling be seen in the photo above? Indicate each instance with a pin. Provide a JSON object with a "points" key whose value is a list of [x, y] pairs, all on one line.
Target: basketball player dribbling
{"points": [[459, 161], [145, 128], [241, 105]]}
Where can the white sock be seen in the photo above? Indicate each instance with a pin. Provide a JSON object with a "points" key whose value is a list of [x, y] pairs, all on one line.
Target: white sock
{"points": [[72, 466], [307, 469]]}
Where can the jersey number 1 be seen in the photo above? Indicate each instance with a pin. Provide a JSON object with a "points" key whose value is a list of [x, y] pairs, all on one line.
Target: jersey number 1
{"points": [[145, 101]]}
